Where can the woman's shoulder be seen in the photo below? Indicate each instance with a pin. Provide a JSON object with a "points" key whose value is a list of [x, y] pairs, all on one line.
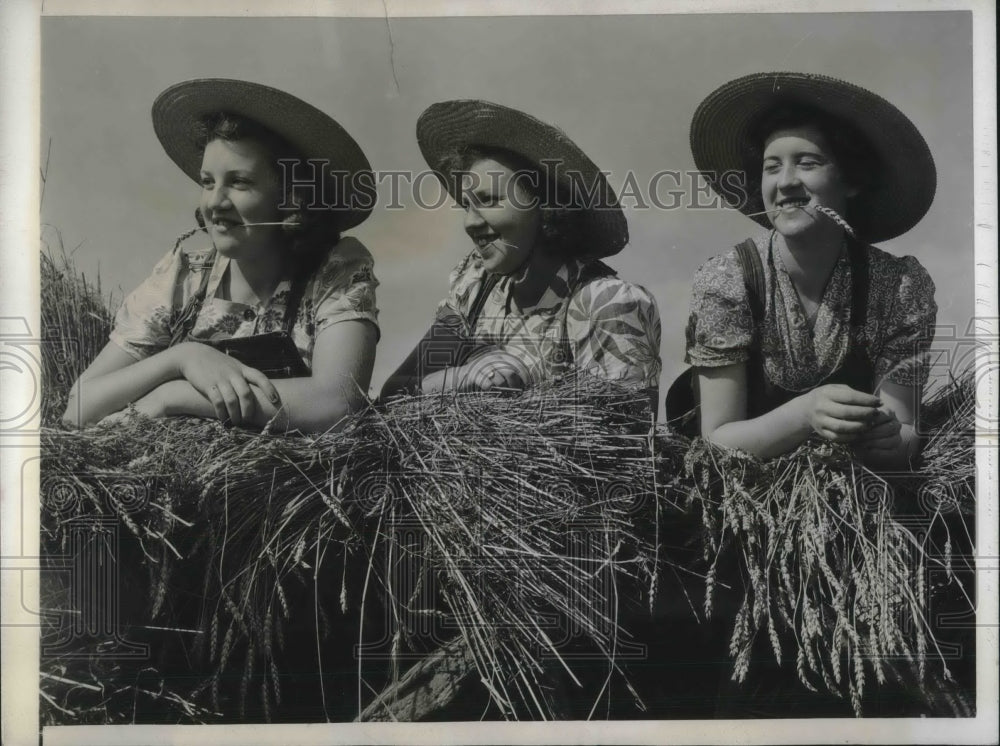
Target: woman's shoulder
{"points": [[465, 275], [349, 248], [723, 275], [346, 263], [881, 261], [601, 289], [902, 276]]}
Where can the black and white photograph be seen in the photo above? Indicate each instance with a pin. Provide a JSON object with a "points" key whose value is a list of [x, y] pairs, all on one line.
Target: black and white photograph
{"points": [[488, 374]]}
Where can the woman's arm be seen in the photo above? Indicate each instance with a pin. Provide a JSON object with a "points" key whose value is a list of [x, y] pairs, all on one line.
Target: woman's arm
{"points": [[836, 412], [434, 364], [112, 381], [343, 357], [115, 380]]}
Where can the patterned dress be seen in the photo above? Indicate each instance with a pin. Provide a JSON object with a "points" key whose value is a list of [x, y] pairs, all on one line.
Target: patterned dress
{"points": [[602, 325], [342, 289], [896, 336]]}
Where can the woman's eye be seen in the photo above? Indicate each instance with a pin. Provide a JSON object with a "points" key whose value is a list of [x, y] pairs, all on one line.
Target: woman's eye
{"points": [[206, 183]]}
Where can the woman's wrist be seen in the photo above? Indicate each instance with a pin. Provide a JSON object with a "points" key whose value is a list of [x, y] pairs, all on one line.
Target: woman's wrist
{"points": [[175, 359], [801, 408]]}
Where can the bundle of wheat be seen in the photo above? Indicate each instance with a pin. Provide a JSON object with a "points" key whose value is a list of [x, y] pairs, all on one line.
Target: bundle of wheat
{"points": [[832, 561]]}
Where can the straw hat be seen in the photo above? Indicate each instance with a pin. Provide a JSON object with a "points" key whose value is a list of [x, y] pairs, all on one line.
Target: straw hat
{"points": [[178, 111], [721, 140], [452, 125]]}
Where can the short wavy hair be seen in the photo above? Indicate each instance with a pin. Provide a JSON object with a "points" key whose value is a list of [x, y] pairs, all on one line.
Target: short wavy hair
{"points": [[563, 226]]}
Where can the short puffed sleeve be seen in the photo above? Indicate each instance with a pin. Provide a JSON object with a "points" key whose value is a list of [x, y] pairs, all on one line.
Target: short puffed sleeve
{"points": [[614, 328], [720, 329], [908, 329], [343, 288], [143, 322]]}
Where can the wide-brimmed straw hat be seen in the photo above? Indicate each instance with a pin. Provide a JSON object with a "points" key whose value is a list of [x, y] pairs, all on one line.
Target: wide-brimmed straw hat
{"points": [[451, 126], [722, 138], [180, 109]]}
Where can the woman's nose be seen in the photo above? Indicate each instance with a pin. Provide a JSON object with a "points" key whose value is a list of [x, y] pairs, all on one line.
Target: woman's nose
{"points": [[473, 219], [788, 176], [216, 198]]}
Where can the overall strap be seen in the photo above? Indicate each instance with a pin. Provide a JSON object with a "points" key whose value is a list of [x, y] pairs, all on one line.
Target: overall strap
{"points": [[182, 327], [857, 254], [295, 293], [753, 278], [485, 288]]}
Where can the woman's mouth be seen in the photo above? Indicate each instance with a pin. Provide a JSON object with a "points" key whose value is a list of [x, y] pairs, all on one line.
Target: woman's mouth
{"points": [[484, 240], [223, 224], [792, 203]]}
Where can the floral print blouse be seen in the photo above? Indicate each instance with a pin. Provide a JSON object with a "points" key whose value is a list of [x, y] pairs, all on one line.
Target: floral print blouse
{"points": [[343, 288], [605, 326], [896, 335]]}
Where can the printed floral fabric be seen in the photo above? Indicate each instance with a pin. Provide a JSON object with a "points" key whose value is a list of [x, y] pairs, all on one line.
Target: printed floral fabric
{"points": [[342, 289], [605, 326], [896, 335]]}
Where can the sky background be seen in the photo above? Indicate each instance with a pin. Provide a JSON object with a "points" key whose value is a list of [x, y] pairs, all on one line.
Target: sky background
{"points": [[624, 88]]}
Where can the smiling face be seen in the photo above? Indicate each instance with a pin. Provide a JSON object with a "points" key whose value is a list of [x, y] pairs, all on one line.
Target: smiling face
{"points": [[240, 186], [501, 216], [798, 174]]}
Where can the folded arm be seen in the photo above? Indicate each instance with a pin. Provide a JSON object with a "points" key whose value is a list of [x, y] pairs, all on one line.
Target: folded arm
{"points": [[343, 357]]}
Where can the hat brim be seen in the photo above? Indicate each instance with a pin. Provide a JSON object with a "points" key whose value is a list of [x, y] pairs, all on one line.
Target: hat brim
{"points": [[450, 126], [180, 109], [907, 178]]}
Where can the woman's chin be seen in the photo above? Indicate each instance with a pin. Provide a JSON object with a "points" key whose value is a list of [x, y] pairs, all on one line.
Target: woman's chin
{"points": [[226, 245]]}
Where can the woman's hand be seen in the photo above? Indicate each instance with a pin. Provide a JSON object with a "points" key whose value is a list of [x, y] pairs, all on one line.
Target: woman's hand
{"points": [[883, 444], [841, 414], [223, 380], [495, 370]]}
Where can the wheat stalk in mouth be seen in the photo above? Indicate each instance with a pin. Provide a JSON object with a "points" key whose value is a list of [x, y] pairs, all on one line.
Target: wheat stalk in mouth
{"points": [[822, 210], [836, 218]]}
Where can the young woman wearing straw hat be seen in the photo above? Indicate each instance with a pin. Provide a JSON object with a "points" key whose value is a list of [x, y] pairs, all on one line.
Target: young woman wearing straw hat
{"points": [[278, 294], [806, 328], [532, 300]]}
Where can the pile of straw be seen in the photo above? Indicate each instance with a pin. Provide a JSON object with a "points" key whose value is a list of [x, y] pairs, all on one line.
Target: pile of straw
{"points": [[516, 530], [75, 320], [526, 513]]}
